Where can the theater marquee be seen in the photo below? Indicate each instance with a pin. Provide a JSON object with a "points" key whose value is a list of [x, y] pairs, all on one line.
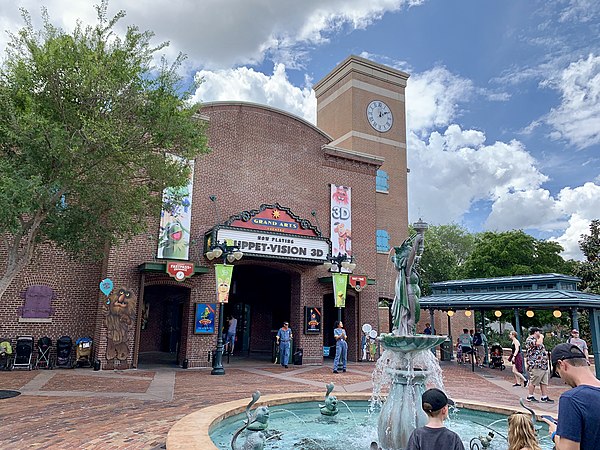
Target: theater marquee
{"points": [[273, 245], [272, 231]]}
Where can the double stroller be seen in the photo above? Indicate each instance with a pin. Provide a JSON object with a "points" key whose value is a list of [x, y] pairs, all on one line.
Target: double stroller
{"points": [[496, 357]]}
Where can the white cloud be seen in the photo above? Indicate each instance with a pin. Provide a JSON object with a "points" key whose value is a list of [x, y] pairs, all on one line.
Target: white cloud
{"points": [[432, 98], [245, 84], [216, 34], [454, 170], [577, 119]]}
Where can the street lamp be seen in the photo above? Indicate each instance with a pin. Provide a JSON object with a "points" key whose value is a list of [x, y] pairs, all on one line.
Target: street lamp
{"points": [[230, 253], [340, 264]]}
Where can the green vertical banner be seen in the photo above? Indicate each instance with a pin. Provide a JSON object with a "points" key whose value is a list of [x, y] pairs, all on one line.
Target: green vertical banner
{"points": [[223, 273], [340, 281]]}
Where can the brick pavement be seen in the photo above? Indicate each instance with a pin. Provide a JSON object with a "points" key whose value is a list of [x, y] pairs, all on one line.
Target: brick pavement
{"points": [[134, 409]]}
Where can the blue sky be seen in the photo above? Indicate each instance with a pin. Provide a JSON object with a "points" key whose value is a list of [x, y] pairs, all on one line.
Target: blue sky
{"points": [[503, 102]]}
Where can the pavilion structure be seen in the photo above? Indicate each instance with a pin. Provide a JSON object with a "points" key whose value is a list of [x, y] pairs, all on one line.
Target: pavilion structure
{"points": [[522, 294]]}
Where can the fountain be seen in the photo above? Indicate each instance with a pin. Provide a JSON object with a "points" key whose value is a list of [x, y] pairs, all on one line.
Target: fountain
{"points": [[407, 362]]}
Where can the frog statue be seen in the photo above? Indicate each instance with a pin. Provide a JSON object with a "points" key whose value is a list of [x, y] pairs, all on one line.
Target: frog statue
{"points": [[257, 421], [330, 406]]}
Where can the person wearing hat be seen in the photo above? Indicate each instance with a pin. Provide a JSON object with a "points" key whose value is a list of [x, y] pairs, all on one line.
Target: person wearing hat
{"points": [[575, 339], [435, 435], [537, 365], [284, 336], [578, 426]]}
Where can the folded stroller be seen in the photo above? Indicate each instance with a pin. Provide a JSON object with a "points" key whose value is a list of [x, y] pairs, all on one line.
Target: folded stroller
{"points": [[64, 344], [6, 354], [496, 359], [23, 353], [83, 352], [43, 358]]}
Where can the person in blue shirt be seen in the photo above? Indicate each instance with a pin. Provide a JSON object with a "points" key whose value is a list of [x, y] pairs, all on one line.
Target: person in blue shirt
{"points": [[341, 347], [284, 336], [578, 426]]}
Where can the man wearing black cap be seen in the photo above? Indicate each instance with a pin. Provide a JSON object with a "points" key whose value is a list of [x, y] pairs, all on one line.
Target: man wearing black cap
{"points": [[537, 365], [578, 425], [434, 435]]}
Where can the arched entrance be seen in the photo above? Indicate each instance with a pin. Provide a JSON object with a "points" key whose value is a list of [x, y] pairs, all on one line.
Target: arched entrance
{"points": [[330, 316], [260, 299], [160, 334]]}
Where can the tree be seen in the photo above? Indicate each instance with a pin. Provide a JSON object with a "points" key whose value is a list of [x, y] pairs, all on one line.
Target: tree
{"points": [[512, 253], [88, 129], [589, 270], [446, 249]]}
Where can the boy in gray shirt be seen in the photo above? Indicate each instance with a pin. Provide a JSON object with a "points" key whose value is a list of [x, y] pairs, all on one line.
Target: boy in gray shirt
{"points": [[434, 435]]}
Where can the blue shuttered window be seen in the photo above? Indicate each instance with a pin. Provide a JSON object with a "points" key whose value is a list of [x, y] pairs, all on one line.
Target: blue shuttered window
{"points": [[383, 241], [381, 182]]}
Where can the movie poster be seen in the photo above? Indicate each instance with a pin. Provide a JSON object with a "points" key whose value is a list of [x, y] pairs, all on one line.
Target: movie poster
{"points": [[175, 221], [341, 221], [204, 322]]}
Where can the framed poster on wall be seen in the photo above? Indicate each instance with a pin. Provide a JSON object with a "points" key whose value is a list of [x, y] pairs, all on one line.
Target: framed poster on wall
{"points": [[204, 318], [312, 319]]}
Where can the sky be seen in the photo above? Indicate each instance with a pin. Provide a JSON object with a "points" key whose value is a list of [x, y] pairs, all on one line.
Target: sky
{"points": [[503, 99]]}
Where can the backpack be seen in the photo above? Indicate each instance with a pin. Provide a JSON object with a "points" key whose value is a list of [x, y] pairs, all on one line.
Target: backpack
{"points": [[477, 340]]}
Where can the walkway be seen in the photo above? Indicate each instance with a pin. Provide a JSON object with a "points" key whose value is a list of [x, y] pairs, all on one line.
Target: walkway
{"points": [[134, 409]]}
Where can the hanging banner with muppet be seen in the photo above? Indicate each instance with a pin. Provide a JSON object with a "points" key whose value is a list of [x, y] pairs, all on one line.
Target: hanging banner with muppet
{"points": [[341, 220], [175, 220], [340, 280], [223, 273]]}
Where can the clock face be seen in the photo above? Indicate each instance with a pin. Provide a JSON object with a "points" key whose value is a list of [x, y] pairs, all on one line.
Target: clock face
{"points": [[379, 116]]}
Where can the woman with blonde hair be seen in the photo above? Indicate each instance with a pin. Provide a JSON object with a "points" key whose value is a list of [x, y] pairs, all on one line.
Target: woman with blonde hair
{"points": [[516, 356], [521, 434]]}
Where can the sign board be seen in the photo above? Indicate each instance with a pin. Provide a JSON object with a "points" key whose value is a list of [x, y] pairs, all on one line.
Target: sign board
{"points": [[180, 270], [204, 318], [312, 319], [274, 245], [358, 282]]}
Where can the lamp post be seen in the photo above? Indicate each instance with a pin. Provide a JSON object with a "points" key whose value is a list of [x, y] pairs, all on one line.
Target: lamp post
{"points": [[336, 264], [230, 253]]}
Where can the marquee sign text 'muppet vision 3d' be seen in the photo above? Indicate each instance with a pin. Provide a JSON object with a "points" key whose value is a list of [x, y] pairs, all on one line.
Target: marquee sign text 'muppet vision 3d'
{"points": [[276, 245]]}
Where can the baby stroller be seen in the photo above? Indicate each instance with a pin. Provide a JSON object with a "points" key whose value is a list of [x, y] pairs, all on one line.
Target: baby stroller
{"points": [[64, 344], [496, 357], [6, 354], [43, 359], [23, 353], [83, 352]]}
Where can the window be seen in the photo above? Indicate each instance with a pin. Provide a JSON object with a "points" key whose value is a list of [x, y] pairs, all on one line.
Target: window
{"points": [[383, 241], [381, 182]]}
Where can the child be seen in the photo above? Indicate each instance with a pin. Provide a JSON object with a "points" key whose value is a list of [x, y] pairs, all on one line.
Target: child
{"points": [[435, 435], [459, 355]]}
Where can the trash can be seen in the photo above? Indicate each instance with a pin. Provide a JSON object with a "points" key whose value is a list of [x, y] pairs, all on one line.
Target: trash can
{"points": [[298, 357], [446, 350]]}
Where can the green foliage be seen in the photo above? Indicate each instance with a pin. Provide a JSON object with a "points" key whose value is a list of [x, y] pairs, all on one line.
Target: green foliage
{"points": [[589, 270], [446, 249], [512, 253], [88, 125]]}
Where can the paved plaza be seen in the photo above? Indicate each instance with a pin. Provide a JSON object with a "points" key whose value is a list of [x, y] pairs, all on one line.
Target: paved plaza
{"points": [[134, 409]]}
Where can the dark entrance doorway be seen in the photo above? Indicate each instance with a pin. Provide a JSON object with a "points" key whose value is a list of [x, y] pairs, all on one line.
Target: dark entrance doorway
{"points": [[330, 317], [260, 300], [160, 334]]}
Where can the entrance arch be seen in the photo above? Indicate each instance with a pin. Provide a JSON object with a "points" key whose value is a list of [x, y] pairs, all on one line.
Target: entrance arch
{"points": [[161, 324], [260, 300]]}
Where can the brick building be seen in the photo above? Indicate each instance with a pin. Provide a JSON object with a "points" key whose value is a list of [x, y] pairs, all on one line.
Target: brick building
{"points": [[269, 177]]}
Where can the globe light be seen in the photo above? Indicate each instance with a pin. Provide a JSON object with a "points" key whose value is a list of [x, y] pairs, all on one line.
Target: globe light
{"points": [[468, 313], [498, 313], [450, 313], [556, 313], [530, 313]]}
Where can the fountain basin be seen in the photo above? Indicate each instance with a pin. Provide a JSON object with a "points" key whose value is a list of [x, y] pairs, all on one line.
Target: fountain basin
{"points": [[193, 431], [410, 344]]}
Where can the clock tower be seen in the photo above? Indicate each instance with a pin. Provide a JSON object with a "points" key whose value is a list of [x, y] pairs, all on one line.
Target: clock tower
{"points": [[361, 105]]}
